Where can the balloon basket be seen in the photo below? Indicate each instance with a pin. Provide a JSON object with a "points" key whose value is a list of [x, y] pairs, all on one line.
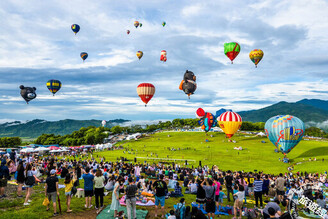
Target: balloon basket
{"points": [[145, 105]]}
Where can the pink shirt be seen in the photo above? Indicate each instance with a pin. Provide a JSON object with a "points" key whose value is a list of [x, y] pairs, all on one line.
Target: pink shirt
{"points": [[218, 184]]}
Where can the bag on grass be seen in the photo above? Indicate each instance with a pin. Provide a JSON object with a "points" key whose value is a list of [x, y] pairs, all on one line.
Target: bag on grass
{"points": [[45, 202], [74, 190]]}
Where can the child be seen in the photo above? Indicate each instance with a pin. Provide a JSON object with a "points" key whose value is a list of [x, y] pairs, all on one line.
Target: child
{"points": [[239, 197], [235, 190], [272, 191], [220, 201], [171, 216], [181, 207]]}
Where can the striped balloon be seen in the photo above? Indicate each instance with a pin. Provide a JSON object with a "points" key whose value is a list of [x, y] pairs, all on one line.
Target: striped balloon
{"points": [[54, 86], [146, 91], [285, 132], [230, 122]]}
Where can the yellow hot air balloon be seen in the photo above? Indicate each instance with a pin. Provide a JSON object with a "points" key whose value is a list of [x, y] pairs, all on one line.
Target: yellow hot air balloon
{"points": [[229, 122], [256, 55], [139, 54]]}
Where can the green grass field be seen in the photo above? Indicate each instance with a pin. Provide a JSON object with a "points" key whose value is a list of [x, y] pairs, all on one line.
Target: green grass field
{"points": [[218, 151]]}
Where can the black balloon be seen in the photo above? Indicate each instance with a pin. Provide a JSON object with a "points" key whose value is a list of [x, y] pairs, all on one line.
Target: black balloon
{"points": [[28, 93], [189, 83]]}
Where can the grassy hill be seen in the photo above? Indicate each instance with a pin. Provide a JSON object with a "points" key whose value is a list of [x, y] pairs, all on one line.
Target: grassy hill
{"points": [[256, 156], [37, 127]]}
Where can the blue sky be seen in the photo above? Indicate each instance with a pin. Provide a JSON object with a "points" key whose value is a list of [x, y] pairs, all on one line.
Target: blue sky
{"points": [[37, 44]]}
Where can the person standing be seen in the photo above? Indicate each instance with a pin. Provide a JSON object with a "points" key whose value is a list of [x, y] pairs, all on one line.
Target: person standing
{"points": [[266, 184], [99, 188], [130, 191], [160, 189], [116, 196], [217, 192], [29, 182], [258, 184], [238, 205], [210, 198], [4, 176], [20, 178], [88, 187], [280, 184], [228, 179], [69, 183], [51, 190]]}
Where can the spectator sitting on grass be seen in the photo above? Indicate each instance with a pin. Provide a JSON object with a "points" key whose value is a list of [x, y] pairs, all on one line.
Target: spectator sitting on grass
{"points": [[192, 187], [177, 191], [180, 207], [171, 215]]}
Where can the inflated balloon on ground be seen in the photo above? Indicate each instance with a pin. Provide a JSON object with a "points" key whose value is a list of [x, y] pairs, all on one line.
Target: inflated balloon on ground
{"points": [[284, 131], [230, 123]]}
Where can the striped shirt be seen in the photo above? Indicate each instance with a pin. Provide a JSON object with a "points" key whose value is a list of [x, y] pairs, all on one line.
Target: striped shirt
{"points": [[258, 185]]}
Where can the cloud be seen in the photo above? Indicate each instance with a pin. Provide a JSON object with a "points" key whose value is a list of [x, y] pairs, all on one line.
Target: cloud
{"points": [[37, 45]]}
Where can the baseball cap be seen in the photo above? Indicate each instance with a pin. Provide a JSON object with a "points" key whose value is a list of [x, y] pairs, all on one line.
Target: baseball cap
{"points": [[52, 172]]}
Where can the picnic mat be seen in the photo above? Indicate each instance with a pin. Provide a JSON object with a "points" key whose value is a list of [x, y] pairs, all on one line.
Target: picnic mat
{"points": [[107, 213], [224, 210], [149, 203]]}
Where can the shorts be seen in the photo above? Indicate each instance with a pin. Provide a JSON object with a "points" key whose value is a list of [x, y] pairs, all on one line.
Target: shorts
{"points": [[251, 189], [68, 193], [220, 200], [210, 206], [217, 198], [160, 200], [88, 193], [280, 192], [238, 204], [52, 196], [3, 182]]}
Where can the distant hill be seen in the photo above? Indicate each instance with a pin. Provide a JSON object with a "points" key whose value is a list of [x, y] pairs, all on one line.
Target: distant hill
{"points": [[307, 110], [37, 127]]}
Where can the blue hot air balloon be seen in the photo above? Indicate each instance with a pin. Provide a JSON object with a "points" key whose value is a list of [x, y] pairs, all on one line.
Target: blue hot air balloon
{"points": [[285, 132]]}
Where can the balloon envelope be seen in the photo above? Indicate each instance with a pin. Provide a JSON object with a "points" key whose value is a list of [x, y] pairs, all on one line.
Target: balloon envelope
{"points": [[139, 54], [256, 55], [230, 122], [284, 131], [231, 50], [136, 24], [75, 28], [146, 91], [84, 55], [54, 86], [207, 122]]}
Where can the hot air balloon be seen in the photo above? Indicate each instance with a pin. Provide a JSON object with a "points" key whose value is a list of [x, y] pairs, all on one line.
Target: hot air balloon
{"points": [[164, 23], [84, 55], [146, 91], [163, 56], [188, 84], [230, 122], [285, 132], [128, 31], [28, 93], [231, 50], [206, 120], [139, 54], [75, 28], [140, 25], [54, 86], [220, 111], [103, 123], [136, 24], [256, 55]]}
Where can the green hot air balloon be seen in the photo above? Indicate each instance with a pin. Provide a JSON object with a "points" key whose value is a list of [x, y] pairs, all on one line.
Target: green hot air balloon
{"points": [[231, 50]]}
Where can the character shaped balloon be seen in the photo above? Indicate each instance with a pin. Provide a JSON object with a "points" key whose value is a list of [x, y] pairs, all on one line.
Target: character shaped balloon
{"points": [[146, 91], [75, 28], [28, 93], [231, 50], [206, 120], [54, 86], [84, 56], [163, 56], [229, 122], [256, 55], [188, 84], [285, 132], [139, 54]]}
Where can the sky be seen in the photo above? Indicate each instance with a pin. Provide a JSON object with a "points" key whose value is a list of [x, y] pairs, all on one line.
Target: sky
{"points": [[37, 44]]}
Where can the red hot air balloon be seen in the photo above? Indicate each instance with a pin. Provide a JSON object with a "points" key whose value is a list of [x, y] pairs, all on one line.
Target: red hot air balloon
{"points": [[146, 91]]}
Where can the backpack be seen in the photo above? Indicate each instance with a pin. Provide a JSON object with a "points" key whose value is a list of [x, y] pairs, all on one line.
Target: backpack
{"points": [[177, 212], [251, 214]]}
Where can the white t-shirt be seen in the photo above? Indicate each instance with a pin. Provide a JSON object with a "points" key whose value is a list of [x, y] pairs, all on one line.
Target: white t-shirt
{"points": [[171, 217], [240, 195]]}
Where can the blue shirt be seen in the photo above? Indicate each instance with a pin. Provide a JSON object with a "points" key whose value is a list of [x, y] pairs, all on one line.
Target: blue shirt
{"points": [[258, 185], [88, 181]]}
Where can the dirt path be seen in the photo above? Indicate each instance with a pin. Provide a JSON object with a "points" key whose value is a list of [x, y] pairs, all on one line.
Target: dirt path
{"points": [[91, 214]]}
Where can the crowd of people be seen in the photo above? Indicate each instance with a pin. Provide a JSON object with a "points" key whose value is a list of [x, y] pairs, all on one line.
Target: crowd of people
{"points": [[210, 186]]}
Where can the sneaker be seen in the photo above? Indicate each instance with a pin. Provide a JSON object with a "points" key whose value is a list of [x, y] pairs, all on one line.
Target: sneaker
{"points": [[29, 200], [90, 206], [96, 208], [26, 203], [55, 214], [85, 206]]}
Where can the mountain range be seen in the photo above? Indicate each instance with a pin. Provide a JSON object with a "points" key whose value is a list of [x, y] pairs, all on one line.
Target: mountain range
{"points": [[308, 110], [313, 112], [35, 128]]}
